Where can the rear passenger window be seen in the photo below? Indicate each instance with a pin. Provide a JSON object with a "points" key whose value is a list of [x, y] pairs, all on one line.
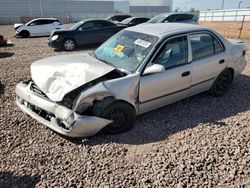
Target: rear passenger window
{"points": [[184, 17], [100, 24], [172, 18], [204, 45], [48, 21]]}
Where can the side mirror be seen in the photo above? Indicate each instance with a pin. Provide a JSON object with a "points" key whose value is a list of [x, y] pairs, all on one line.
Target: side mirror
{"points": [[155, 68]]}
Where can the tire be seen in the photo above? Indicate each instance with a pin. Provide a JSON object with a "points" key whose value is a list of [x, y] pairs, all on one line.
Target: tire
{"points": [[221, 84], [123, 116], [68, 45], [25, 34]]}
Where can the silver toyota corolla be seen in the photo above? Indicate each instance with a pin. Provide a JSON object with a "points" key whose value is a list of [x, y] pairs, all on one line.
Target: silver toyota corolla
{"points": [[139, 69]]}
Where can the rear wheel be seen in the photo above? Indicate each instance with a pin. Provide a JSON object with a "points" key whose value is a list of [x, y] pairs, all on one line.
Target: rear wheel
{"points": [[123, 116], [221, 84], [69, 44], [25, 34]]}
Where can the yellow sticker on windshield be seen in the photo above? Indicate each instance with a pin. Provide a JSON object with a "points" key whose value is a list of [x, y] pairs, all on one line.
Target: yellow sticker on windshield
{"points": [[119, 48]]}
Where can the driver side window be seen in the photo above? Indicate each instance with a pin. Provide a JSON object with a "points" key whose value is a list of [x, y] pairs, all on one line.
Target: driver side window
{"points": [[87, 26], [173, 53]]}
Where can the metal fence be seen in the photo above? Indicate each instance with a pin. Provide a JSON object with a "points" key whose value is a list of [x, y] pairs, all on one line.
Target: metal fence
{"points": [[225, 15]]}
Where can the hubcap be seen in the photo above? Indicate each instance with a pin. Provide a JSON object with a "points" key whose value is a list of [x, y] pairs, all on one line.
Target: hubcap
{"points": [[69, 45], [222, 83], [119, 117]]}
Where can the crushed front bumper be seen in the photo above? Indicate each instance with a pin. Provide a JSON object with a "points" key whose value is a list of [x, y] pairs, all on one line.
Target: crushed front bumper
{"points": [[57, 117], [17, 33], [55, 43]]}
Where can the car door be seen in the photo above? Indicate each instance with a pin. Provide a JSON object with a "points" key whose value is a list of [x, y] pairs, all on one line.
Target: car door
{"points": [[51, 25], [48, 26], [35, 28], [208, 60], [105, 30], [87, 33], [159, 89]]}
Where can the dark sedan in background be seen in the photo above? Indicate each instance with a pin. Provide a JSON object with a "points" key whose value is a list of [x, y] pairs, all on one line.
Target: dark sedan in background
{"points": [[117, 17], [92, 31], [133, 21]]}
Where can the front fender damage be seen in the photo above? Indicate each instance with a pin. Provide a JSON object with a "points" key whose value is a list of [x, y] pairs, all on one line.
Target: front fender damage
{"points": [[100, 96]]}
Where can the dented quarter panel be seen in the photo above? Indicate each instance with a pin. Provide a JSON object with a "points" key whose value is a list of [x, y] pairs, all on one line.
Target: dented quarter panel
{"points": [[237, 61]]}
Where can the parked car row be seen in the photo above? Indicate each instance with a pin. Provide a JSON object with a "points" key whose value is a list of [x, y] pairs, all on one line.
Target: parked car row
{"points": [[90, 31]]}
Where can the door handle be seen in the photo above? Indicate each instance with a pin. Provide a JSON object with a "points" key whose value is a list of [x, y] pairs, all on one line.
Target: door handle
{"points": [[222, 61], [185, 73]]}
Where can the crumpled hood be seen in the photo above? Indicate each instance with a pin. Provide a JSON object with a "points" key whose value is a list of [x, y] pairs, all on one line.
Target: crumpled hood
{"points": [[17, 25], [56, 76]]}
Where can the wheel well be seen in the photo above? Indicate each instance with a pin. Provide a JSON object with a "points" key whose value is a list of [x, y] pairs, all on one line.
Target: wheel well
{"points": [[98, 106], [23, 31], [232, 72], [122, 101]]}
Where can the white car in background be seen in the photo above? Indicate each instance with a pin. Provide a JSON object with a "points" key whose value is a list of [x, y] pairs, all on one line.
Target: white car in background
{"points": [[38, 27]]}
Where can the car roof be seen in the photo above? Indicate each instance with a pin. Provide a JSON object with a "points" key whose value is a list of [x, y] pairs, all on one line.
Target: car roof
{"points": [[162, 29], [134, 17], [120, 15], [45, 19], [95, 19], [174, 13]]}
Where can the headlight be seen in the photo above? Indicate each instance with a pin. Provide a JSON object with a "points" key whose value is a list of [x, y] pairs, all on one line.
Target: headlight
{"points": [[54, 37]]}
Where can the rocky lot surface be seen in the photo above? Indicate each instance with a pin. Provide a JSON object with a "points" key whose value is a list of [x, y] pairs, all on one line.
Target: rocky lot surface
{"points": [[198, 142]]}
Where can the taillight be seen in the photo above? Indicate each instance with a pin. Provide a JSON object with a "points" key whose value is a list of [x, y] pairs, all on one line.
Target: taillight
{"points": [[244, 52]]}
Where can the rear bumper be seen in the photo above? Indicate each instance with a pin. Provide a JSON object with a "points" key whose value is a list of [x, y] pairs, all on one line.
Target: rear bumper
{"points": [[58, 118]]}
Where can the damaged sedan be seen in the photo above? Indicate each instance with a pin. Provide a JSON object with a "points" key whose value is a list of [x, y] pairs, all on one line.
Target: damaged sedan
{"points": [[140, 69]]}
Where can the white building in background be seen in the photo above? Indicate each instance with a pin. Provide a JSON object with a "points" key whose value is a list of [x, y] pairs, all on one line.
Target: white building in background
{"points": [[74, 10]]}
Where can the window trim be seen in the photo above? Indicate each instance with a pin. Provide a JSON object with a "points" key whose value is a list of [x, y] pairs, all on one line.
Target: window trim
{"points": [[148, 60], [214, 37]]}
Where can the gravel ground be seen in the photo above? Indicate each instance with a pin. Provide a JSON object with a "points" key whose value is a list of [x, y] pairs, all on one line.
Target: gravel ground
{"points": [[198, 142]]}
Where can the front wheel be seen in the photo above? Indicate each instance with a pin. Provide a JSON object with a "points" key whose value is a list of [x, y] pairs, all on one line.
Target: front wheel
{"points": [[221, 84], [69, 45], [123, 116], [25, 34]]}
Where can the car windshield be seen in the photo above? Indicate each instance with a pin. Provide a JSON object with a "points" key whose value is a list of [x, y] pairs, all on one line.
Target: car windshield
{"points": [[29, 22], [76, 26], [157, 19], [126, 50]]}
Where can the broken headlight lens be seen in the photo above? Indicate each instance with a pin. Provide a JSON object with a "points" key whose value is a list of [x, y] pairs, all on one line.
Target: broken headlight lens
{"points": [[67, 102]]}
